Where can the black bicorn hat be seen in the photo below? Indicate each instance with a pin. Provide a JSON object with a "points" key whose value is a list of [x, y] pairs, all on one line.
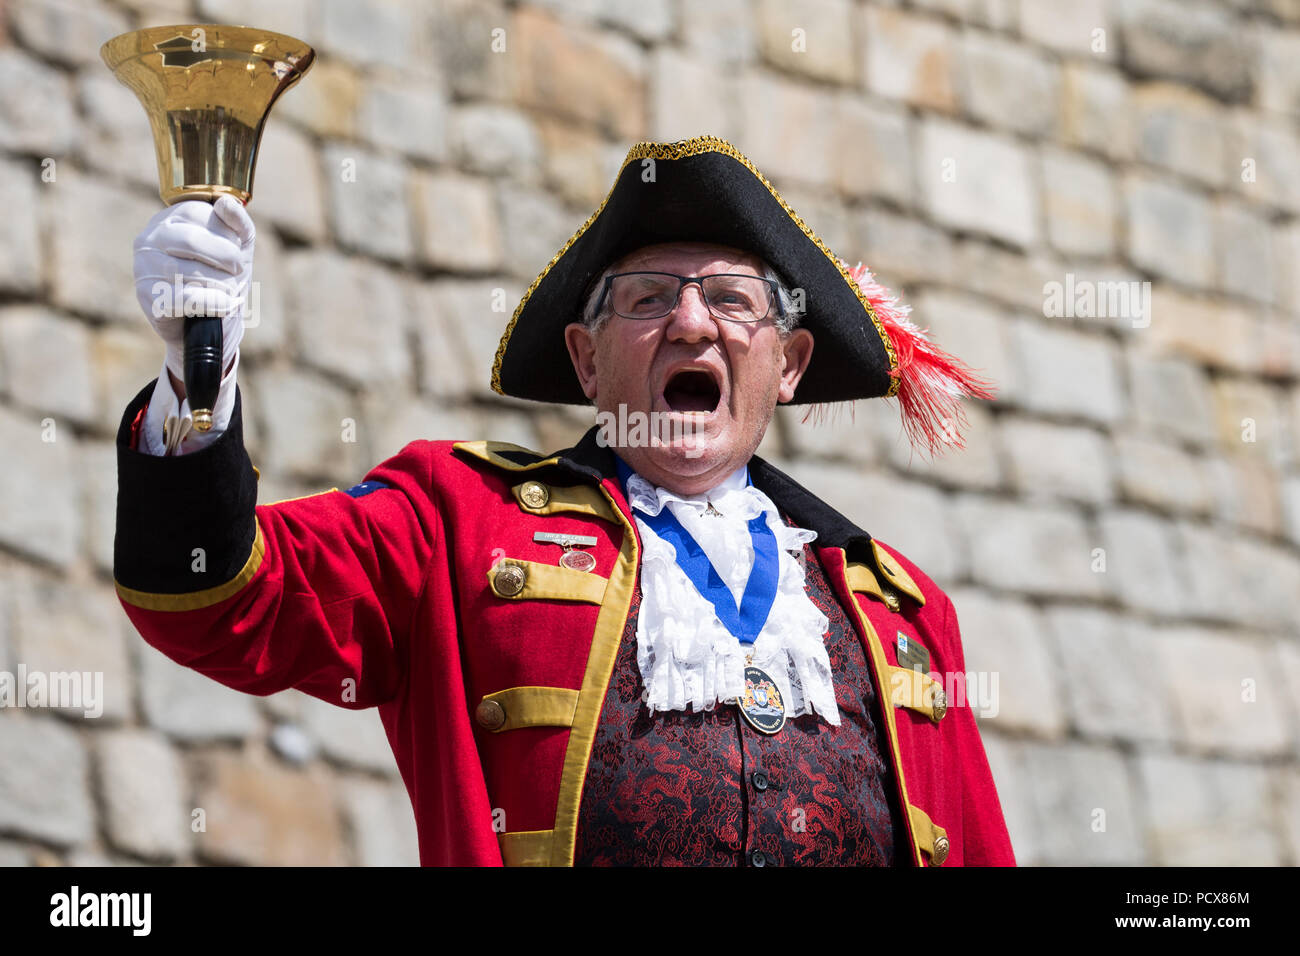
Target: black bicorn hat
{"points": [[705, 190]]}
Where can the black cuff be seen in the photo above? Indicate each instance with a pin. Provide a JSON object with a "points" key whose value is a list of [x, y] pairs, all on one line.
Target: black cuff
{"points": [[167, 507]]}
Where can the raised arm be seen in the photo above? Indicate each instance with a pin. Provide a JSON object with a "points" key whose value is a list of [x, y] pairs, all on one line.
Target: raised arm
{"points": [[316, 593]]}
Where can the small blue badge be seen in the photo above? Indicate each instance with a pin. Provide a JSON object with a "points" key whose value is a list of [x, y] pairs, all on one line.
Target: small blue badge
{"points": [[363, 489], [902, 643]]}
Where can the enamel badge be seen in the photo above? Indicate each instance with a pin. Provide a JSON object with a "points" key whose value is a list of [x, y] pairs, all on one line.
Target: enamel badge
{"points": [[762, 706]]}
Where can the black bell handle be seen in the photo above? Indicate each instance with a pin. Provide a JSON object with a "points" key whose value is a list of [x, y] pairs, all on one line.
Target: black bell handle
{"points": [[202, 360]]}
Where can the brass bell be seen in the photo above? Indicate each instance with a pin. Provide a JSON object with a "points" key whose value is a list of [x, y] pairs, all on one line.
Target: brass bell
{"points": [[207, 89]]}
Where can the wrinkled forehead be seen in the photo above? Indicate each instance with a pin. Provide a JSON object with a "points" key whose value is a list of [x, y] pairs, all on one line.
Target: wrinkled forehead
{"points": [[689, 258]]}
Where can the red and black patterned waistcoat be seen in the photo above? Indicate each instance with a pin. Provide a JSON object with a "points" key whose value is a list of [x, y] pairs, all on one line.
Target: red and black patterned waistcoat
{"points": [[707, 789]]}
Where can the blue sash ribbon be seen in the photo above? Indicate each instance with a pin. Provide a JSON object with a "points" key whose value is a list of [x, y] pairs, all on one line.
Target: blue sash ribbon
{"points": [[747, 620]]}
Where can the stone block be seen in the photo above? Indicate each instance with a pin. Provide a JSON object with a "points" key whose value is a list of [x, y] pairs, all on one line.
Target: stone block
{"points": [[789, 130], [1040, 550], [312, 427], [37, 114], [456, 219], [92, 271], [1160, 474], [187, 706], [1171, 231], [1181, 130], [873, 151], [42, 517], [349, 316], [1131, 701], [20, 245], [1226, 697], [910, 58], [406, 117], [1048, 461], [976, 181], [258, 813], [905, 515], [1096, 111], [1196, 43], [352, 737], [723, 32], [1208, 813], [1172, 396], [589, 75], [382, 822], [1079, 200], [810, 37], [1244, 253], [1010, 85], [1142, 565], [145, 798], [1005, 654], [493, 140], [1085, 805], [1069, 27], [47, 363], [45, 789], [288, 192], [1068, 372], [369, 202]]}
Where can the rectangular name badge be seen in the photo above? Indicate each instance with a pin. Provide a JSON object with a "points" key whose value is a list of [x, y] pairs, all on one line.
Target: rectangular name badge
{"points": [[565, 540], [912, 654]]}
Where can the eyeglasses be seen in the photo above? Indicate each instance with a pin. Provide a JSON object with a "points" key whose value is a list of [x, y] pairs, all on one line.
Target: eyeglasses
{"points": [[652, 295]]}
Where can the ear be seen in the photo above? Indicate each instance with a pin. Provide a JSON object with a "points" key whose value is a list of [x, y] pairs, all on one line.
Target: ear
{"points": [[797, 352], [582, 352]]}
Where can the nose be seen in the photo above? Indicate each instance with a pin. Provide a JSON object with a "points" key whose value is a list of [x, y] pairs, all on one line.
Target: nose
{"points": [[691, 320]]}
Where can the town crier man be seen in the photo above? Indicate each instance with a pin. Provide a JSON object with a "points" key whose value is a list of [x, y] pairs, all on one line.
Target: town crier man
{"points": [[653, 647]]}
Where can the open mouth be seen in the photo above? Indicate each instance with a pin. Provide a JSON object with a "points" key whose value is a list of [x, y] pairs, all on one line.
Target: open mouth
{"points": [[692, 390]]}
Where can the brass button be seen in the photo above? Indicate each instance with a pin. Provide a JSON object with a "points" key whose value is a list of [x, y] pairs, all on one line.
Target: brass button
{"points": [[534, 494], [940, 851], [891, 599], [490, 715], [938, 705], [509, 580]]}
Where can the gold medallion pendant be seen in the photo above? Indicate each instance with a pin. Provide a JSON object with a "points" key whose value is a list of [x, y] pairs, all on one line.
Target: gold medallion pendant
{"points": [[762, 706]]}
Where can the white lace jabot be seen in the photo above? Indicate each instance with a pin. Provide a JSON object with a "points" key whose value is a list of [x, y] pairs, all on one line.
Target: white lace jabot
{"points": [[686, 656]]}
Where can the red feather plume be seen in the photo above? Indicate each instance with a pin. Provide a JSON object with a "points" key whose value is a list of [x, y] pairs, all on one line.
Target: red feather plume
{"points": [[932, 382]]}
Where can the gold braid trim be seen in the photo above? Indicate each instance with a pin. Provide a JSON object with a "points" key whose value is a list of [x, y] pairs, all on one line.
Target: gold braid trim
{"points": [[680, 150]]}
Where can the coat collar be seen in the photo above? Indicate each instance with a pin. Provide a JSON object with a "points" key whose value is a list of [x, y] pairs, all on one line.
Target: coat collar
{"points": [[591, 462]]}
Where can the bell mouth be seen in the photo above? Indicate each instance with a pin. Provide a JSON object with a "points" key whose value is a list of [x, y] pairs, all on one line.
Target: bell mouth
{"points": [[692, 390], [207, 89]]}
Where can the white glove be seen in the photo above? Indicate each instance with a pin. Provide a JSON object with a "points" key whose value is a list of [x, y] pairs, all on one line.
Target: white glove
{"points": [[195, 258]]}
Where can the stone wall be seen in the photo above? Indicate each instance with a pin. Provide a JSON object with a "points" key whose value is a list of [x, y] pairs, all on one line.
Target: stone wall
{"points": [[973, 152]]}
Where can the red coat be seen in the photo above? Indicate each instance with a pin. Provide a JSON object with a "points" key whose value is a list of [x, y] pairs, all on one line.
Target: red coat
{"points": [[489, 687]]}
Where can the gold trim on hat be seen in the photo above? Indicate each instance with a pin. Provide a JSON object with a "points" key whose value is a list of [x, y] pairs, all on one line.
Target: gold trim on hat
{"points": [[680, 150]]}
